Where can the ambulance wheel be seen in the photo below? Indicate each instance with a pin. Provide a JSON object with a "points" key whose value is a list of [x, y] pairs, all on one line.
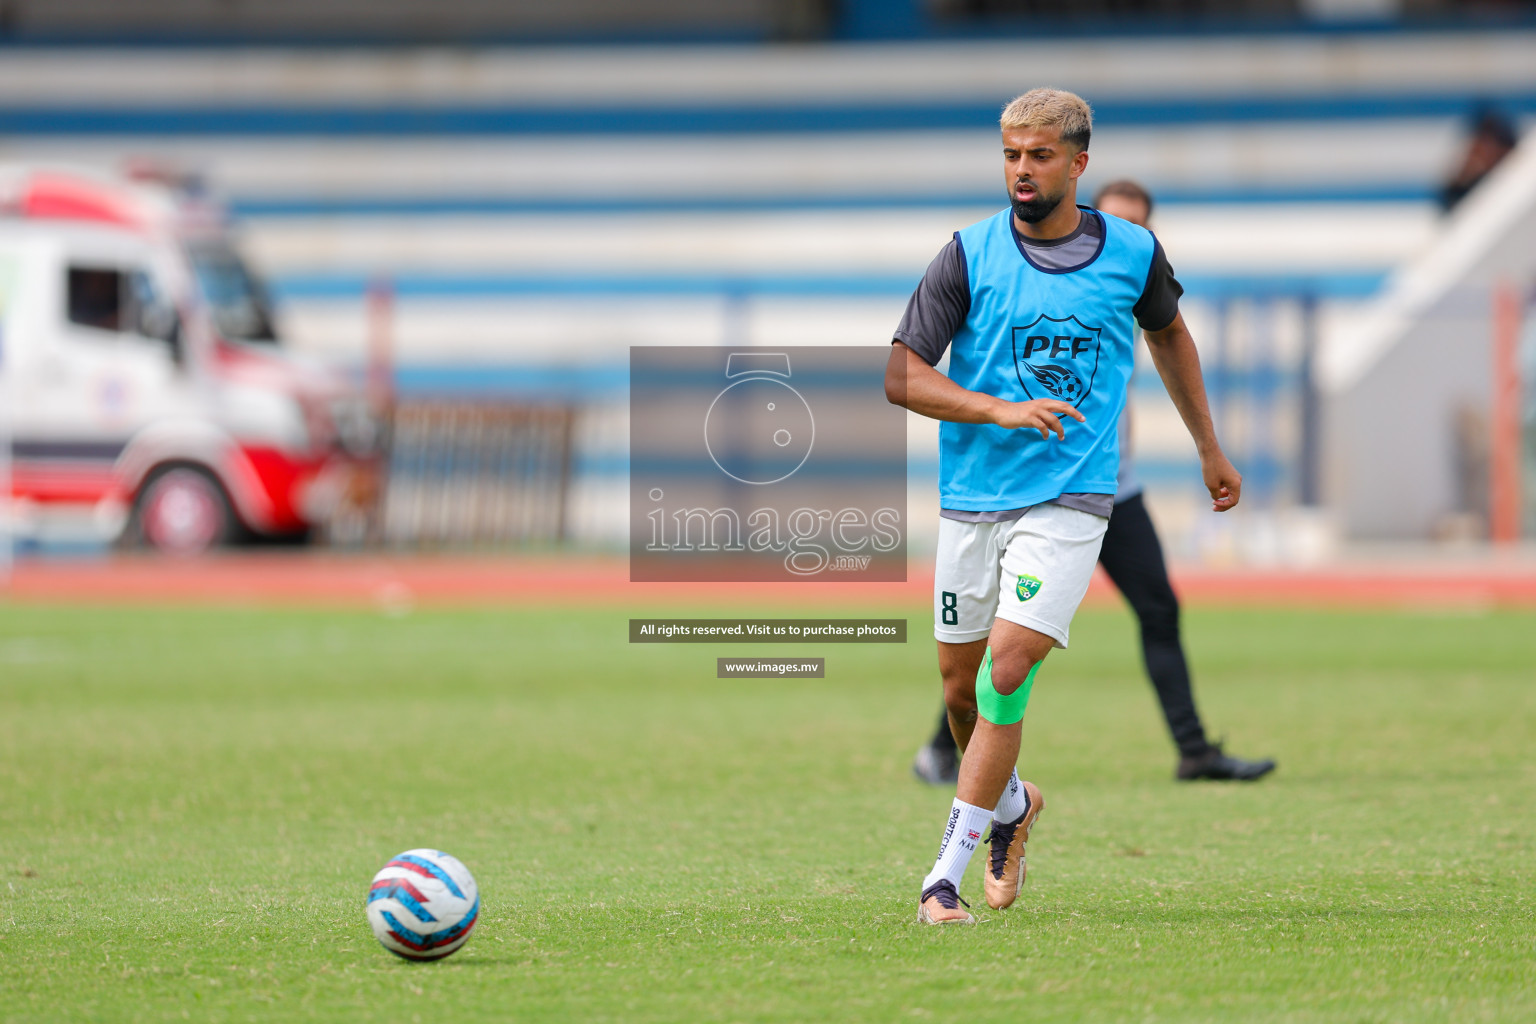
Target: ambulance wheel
{"points": [[183, 510]]}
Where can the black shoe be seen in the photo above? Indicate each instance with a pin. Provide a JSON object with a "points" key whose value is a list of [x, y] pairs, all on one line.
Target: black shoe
{"points": [[1222, 767], [937, 766]]}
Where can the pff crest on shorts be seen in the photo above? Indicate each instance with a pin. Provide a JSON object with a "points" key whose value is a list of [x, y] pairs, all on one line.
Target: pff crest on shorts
{"points": [[1057, 358]]}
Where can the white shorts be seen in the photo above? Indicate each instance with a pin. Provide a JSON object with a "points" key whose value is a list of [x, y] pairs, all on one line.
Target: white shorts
{"points": [[1033, 571]]}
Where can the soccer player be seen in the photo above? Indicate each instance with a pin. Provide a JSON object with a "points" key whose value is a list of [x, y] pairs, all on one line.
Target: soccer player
{"points": [[1038, 306], [1133, 557]]}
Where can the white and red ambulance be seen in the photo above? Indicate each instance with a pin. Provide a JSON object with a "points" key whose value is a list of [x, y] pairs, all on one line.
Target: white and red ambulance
{"points": [[146, 397]]}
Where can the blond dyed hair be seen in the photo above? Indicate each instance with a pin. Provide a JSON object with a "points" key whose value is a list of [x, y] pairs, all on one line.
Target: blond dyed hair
{"points": [[1065, 111]]}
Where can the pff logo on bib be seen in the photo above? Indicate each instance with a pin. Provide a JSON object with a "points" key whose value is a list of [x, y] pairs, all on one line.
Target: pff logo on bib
{"points": [[1057, 358], [1028, 587]]}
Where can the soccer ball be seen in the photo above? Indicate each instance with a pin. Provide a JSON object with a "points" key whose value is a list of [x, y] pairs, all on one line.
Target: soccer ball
{"points": [[423, 905]]}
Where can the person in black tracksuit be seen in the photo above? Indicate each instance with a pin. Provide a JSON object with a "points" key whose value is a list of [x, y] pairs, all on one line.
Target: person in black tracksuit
{"points": [[1132, 557]]}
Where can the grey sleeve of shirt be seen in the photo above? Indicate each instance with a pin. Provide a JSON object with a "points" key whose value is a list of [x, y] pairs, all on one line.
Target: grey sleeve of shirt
{"points": [[939, 306], [1159, 302]]}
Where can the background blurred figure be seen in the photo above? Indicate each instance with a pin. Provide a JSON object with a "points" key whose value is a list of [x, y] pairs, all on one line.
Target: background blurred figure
{"points": [[1493, 138], [1132, 556]]}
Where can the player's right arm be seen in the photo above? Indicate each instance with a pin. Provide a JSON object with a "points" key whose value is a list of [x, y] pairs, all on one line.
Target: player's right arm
{"points": [[938, 310], [912, 384]]}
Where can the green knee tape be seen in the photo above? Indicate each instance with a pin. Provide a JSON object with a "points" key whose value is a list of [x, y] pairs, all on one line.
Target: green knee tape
{"points": [[995, 707]]}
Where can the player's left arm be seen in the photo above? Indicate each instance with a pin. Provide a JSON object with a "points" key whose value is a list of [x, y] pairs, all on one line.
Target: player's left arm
{"points": [[1178, 363]]}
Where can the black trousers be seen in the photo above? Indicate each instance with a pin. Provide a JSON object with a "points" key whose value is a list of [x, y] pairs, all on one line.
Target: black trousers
{"points": [[1133, 557]]}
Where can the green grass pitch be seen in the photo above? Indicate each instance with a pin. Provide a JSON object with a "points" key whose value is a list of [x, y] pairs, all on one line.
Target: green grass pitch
{"points": [[193, 802]]}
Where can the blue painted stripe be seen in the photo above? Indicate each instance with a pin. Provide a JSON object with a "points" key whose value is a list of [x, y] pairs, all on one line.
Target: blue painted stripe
{"points": [[358, 38], [1170, 473], [1261, 473], [486, 205], [708, 119], [437, 938], [323, 285], [1235, 28], [919, 467], [1262, 381], [853, 25], [705, 375], [437, 872], [1309, 192], [1344, 284], [550, 383], [405, 899], [689, 466]]}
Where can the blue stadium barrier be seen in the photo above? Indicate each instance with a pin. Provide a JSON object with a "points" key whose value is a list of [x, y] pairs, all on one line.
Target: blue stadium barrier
{"points": [[489, 205], [710, 119], [344, 285]]}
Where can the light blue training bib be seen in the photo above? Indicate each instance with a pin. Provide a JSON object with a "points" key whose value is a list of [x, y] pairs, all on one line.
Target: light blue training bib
{"points": [[1032, 333]]}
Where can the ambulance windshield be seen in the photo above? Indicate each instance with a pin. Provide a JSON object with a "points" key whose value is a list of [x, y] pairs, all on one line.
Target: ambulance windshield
{"points": [[241, 311]]}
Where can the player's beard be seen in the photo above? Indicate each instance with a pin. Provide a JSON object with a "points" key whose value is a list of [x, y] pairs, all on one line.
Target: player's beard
{"points": [[1033, 211]]}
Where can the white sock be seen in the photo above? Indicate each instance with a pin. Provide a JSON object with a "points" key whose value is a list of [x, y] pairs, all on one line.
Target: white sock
{"points": [[1014, 803], [961, 834]]}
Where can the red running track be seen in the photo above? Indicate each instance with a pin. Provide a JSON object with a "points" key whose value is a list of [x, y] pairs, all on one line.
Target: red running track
{"points": [[390, 582]]}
